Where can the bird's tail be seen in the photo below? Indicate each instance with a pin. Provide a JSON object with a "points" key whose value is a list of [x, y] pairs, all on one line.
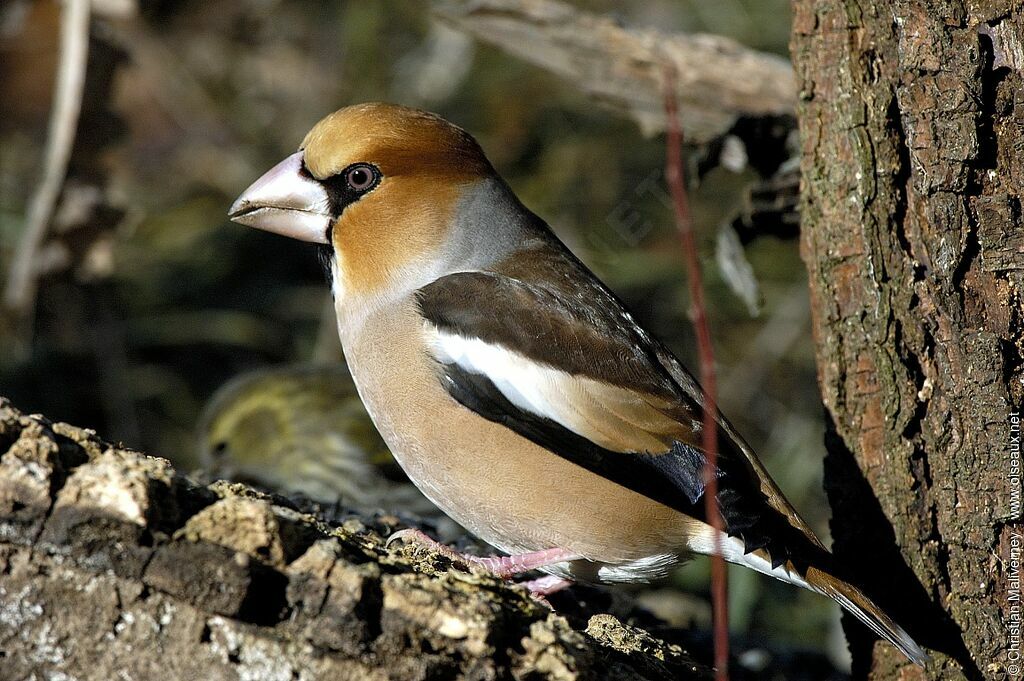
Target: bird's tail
{"points": [[821, 581], [860, 606]]}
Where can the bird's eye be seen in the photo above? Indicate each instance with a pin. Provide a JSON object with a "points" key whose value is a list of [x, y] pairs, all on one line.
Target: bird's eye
{"points": [[220, 449], [361, 177]]}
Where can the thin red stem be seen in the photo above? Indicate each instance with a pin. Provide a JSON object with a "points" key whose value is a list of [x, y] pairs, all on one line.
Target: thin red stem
{"points": [[709, 434]]}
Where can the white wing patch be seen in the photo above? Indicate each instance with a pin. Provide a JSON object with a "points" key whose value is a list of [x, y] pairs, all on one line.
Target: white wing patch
{"points": [[517, 378], [615, 418]]}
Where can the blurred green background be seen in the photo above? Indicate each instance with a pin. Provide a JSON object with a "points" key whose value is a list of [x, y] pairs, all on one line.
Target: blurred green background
{"points": [[153, 299]]}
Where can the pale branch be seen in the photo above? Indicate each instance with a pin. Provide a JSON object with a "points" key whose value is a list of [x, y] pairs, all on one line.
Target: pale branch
{"points": [[67, 105], [720, 80]]}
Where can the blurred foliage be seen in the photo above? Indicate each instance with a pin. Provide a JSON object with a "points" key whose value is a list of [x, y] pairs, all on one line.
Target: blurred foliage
{"points": [[140, 320]]}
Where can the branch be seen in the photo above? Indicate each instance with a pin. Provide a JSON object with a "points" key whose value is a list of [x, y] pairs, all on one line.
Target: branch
{"points": [[67, 104], [709, 430], [116, 566], [720, 80]]}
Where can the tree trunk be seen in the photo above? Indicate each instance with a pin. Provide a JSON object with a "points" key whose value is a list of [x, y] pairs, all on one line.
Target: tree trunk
{"points": [[912, 176]]}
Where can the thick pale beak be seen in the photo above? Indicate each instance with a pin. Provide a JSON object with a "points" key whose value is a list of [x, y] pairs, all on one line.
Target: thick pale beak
{"points": [[287, 200]]}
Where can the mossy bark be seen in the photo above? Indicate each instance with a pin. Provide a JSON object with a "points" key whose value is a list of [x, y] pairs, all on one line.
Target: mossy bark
{"points": [[912, 131], [114, 566]]}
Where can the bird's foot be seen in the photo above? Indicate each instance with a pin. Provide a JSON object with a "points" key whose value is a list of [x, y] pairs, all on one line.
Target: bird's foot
{"points": [[422, 538], [542, 587], [546, 585], [500, 566]]}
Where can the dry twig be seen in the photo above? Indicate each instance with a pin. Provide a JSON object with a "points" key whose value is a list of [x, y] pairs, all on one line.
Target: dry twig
{"points": [[67, 104], [709, 431]]}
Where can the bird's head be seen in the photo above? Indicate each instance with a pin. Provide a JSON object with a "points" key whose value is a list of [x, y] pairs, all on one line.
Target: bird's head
{"points": [[377, 184]]}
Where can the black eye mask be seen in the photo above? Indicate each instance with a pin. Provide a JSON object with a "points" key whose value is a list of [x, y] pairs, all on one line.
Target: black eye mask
{"points": [[349, 185], [342, 191]]}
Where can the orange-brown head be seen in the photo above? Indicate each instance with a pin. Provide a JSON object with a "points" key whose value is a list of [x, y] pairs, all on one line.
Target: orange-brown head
{"points": [[377, 182], [401, 141]]}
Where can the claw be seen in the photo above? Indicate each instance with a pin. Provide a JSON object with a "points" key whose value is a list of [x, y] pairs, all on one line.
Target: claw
{"points": [[501, 566], [407, 534], [422, 538]]}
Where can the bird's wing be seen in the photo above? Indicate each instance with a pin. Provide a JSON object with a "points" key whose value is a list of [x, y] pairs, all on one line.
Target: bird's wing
{"points": [[563, 364]]}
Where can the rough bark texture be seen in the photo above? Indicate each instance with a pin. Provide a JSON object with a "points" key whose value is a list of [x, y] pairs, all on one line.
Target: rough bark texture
{"points": [[912, 136], [113, 566]]}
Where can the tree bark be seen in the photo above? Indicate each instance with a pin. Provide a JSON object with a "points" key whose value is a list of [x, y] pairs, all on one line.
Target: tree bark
{"points": [[912, 134], [114, 566]]}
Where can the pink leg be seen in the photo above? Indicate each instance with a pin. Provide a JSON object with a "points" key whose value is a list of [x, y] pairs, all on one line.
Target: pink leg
{"points": [[542, 587], [546, 585], [501, 566], [507, 566]]}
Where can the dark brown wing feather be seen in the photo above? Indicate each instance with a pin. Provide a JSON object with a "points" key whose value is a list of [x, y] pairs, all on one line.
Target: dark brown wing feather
{"points": [[547, 307], [583, 332]]}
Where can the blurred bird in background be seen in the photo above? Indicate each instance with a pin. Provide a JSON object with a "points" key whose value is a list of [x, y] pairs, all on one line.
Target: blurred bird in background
{"points": [[302, 429]]}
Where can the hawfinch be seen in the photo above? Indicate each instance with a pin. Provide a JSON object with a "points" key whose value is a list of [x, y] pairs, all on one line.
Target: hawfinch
{"points": [[513, 387]]}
